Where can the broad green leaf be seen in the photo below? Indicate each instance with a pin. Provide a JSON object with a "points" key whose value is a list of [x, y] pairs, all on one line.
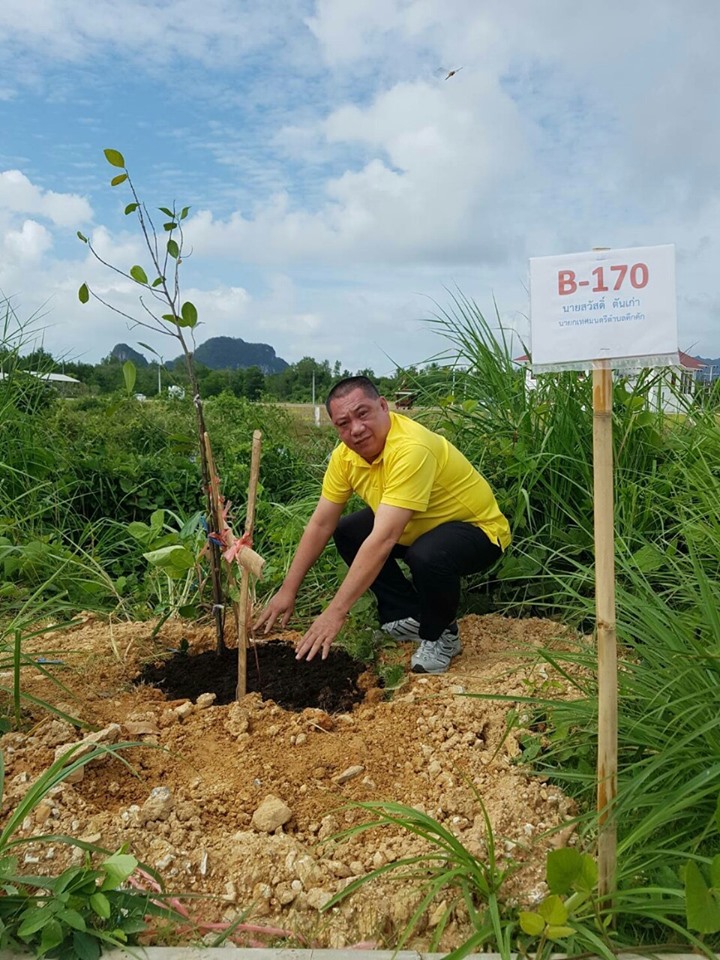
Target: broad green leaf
{"points": [[531, 923], [188, 611], [171, 318], [120, 178], [129, 375], [557, 932], [72, 918], [138, 274], [131, 208], [717, 813], [35, 919], [86, 946], [173, 249], [101, 905], [588, 879], [52, 936], [83, 293], [649, 558], [553, 910], [174, 560], [189, 314], [563, 868], [114, 158], [701, 907], [157, 281], [81, 236], [184, 213], [157, 519], [140, 531], [168, 213], [715, 872], [117, 869], [170, 226]]}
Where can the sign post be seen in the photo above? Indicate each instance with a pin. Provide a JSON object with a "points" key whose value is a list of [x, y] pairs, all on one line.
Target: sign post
{"points": [[603, 310]]}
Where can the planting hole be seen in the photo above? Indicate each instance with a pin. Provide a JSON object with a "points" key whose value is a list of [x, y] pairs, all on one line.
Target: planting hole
{"points": [[331, 685]]}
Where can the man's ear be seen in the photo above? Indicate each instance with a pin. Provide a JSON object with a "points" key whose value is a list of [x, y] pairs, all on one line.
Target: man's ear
{"points": [[384, 404]]}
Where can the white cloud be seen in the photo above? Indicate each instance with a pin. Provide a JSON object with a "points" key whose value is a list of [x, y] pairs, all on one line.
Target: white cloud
{"points": [[19, 195], [27, 244]]}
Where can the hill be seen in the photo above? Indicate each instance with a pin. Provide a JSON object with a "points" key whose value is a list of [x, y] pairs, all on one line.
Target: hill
{"points": [[712, 368], [233, 353], [122, 352], [217, 353]]}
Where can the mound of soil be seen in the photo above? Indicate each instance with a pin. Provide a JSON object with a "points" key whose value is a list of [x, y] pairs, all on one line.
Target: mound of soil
{"points": [[240, 804], [272, 671]]}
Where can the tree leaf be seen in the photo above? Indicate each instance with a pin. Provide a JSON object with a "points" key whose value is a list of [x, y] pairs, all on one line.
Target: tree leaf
{"points": [[117, 869], [553, 909], [138, 274], [168, 213], [83, 293], [129, 375], [157, 281], [563, 868], [557, 932], [174, 560], [120, 178], [114, 158], [189, 314], [72, 918], [81, 236], [184, 212], [101, 905], [171, 318], [171, 225], [531, 923], [173, 249], [131, 208], [52, 936]]}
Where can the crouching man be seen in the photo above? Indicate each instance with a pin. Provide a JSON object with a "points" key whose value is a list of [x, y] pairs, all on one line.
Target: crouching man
{"points": [[426, 505]]}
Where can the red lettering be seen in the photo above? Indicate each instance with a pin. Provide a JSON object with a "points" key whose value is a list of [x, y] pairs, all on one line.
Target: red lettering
{"points": [[621, 269], [639, 275], [599, 272], [566, 282]]}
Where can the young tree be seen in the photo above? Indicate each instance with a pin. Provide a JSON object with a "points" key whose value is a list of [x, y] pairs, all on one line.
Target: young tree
{"points": [[163, 311]]}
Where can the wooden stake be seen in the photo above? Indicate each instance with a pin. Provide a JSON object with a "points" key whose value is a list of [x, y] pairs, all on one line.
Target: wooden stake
{"points": [[245, 585], [605, 623]]}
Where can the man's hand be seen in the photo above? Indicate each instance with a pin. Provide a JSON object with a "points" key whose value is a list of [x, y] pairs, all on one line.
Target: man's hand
{"points": [[320, 636], [280, 606]]}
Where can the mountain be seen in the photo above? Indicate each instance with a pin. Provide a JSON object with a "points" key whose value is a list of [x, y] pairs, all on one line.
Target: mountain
{"points": [[233, 353], [217, 353], [122, 352], [712, 368]]}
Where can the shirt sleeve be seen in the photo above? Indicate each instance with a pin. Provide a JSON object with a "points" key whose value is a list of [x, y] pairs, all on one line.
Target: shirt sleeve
{"points": [[409, 479], [336, 485]]}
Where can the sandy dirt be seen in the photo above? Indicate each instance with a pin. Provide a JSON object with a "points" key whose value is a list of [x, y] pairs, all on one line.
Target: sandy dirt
{"points": [[240, 803]]}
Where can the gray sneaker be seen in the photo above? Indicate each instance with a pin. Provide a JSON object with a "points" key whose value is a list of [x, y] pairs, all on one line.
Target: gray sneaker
{"points": [[434, 656], [402, 630]]}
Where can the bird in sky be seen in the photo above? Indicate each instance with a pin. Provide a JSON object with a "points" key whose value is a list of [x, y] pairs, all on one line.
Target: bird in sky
{"points": [[451, 73]]}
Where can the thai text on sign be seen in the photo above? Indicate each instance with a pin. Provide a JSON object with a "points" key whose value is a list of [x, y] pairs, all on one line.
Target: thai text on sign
{"points": [[617, 306]]}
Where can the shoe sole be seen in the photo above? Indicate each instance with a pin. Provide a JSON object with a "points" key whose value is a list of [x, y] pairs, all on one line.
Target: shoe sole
{"points": [[418, 668]]}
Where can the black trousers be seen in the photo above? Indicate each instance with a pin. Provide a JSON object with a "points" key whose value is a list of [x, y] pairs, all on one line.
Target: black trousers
{"points": [[437, 560]]}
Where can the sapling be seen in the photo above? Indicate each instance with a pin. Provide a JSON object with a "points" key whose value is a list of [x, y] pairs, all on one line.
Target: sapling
{"points": [[165, 312]]}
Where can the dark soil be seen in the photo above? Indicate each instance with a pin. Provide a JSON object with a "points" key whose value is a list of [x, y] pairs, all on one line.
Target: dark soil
{"points": [[272, 671]]}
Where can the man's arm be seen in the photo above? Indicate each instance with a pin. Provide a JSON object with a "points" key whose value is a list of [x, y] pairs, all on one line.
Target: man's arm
{"points": [[320, 528], [387, 530]]}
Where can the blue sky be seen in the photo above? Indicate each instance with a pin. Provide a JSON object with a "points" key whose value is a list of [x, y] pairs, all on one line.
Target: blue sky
{"points": [[338, 184]]}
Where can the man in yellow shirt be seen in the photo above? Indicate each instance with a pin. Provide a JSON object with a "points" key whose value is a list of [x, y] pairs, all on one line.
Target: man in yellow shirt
{"points": [[426, 505]]}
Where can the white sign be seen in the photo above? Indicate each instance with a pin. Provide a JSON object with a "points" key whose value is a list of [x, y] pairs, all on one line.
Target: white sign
{"points": [[613, 305]]}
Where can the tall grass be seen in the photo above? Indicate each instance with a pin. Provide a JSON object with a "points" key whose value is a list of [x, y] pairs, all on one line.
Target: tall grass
{"points": [[535, 447]]}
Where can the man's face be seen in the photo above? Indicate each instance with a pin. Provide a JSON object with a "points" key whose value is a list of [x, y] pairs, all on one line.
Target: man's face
{"points": [[362, 422]]}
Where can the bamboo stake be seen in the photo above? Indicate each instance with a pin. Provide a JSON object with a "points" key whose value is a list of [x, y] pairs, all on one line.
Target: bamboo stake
{"points": [[246, 574], [605, 624]]}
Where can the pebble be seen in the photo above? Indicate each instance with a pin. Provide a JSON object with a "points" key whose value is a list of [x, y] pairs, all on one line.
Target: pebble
{"points": [[349, 774], [271, 814]]}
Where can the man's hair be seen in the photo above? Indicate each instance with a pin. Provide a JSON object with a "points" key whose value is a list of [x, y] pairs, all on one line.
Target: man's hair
{"points": [[345, 386]]}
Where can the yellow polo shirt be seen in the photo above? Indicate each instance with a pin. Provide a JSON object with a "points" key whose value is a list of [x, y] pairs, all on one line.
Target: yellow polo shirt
{"points": [[420, 471]]}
